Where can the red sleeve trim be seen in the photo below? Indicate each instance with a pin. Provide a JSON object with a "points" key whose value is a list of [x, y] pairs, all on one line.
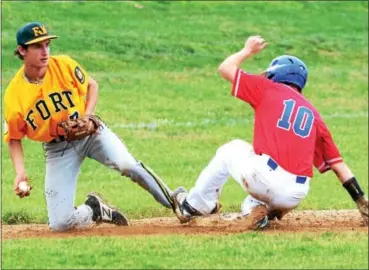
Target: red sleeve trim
{"points": [[236, 83], [334, 160], [326, 165]]}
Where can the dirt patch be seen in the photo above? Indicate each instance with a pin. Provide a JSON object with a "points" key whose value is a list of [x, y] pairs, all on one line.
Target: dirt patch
{"points": [[299, 221]]}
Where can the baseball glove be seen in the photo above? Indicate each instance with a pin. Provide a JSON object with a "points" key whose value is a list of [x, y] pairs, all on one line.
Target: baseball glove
{"points": [[362, 205], [77, 129]]}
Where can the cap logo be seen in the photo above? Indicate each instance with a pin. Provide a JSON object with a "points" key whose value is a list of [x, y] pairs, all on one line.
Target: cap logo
{"points": [[39, 31]]}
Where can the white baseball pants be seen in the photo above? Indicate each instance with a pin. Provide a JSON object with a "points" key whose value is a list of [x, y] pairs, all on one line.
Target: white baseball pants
{"points": [[259, 175]]}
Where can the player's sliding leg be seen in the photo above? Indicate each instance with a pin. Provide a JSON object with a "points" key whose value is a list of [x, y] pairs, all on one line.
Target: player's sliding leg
{"points": [[232, 159], [107, 148], [203, 197]]}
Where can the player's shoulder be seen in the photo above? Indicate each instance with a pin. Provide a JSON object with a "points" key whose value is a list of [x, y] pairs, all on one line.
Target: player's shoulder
{"points": [[14, 84], [64, 62], [63, 58]]}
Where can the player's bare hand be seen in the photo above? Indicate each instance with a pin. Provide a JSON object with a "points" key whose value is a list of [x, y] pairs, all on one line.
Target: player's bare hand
{"points": [[20, 193], [255, 44], [362, 205]]}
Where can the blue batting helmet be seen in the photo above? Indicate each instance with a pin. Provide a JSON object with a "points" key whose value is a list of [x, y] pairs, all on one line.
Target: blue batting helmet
{"points": [[288, 69]]}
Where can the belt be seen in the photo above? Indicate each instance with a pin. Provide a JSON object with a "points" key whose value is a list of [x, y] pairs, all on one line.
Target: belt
{"points": [[58, 139], [273, 165]]}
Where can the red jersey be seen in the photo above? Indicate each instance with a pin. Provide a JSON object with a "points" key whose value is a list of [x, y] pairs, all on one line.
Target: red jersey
{"points": [[287, 127]]}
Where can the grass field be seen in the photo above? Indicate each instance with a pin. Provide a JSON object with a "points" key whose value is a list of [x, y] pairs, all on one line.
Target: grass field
{"points": [[156, 65]]}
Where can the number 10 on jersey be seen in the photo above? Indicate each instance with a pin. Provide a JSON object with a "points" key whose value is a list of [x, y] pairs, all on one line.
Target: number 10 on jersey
{"points": [[303, 122]]}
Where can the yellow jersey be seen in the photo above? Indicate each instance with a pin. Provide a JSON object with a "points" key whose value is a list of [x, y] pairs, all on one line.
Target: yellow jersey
{"points": [[34, 110]]}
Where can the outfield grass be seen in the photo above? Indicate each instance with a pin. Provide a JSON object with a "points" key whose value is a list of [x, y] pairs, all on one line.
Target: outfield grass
{"points": [[160, 91], [247, 251]]}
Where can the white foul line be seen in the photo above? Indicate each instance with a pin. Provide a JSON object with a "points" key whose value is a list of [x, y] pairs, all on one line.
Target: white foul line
{"points": [[212, 122]]}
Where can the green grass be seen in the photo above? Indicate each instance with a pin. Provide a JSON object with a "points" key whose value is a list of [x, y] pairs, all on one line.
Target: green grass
{"points": [[158, 65], [242, 251]]}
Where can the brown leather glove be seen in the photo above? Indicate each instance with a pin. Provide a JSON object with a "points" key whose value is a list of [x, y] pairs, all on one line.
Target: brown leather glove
{"points": [[77, 129], [362, 205]]}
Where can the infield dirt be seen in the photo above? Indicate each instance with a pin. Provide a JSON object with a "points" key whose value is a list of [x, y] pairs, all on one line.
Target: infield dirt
{"points": [[295, 222]]}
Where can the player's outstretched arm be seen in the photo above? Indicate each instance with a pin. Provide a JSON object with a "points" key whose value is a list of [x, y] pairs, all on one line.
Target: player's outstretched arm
{"points": [[17, 155], [350, 183], [229, 66]]}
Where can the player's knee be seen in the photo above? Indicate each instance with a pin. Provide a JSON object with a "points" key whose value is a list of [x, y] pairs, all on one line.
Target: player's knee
{"points": [[59, 226], [232, 147], [126, 168], [224, 149], [240, 145], [121, 165]]}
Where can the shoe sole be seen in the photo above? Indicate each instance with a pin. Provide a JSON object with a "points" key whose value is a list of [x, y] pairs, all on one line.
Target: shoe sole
{"points": [[104, 201]]}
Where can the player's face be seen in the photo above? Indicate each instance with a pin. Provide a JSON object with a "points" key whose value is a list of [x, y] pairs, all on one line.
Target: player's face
{"points": [[38, 54]]}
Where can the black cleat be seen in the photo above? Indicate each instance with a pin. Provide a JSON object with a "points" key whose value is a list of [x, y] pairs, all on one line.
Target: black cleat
{"points": [[183, 210], [103, 212]]}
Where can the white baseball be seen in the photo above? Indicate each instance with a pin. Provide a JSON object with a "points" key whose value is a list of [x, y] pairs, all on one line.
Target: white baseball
{"points": [[23, 186]]}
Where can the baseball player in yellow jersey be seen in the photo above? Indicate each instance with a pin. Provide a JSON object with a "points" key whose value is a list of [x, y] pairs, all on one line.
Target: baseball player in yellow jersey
{"points": [[45, 91]]}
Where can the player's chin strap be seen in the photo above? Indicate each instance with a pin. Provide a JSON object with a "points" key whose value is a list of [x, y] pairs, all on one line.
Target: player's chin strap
{"points": [[148, 180]]}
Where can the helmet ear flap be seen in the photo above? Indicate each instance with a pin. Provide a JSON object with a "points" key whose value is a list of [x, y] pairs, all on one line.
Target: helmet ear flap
{"points": [[269, 76]]}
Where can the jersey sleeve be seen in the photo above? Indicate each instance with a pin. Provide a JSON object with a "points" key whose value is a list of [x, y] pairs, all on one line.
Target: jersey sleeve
{"points": [[14, 124], [249, 88], [79, 75], [326, 152]]}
